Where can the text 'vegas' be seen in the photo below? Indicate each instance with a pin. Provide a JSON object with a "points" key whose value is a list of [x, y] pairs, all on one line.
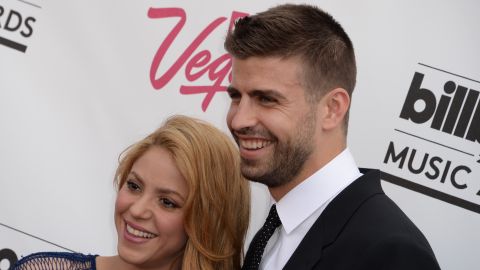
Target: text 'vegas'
{"points": [[199, 64]]}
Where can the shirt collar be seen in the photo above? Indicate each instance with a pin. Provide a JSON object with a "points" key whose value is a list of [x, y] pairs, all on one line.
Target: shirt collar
{"points": [[300, 202]]}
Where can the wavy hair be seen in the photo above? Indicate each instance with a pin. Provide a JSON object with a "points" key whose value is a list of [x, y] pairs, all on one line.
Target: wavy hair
{"points": [[217, 207]]}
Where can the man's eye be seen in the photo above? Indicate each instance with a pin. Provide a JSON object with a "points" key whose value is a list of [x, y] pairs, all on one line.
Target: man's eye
{"points": [[234, 95], [167, 203], [266, 99], [131, 185]]}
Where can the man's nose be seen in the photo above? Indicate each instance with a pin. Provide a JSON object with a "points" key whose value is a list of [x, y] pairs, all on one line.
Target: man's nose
{"points": [[243, 115]]}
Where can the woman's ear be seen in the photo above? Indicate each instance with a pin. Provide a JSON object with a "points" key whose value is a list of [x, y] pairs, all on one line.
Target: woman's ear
{"points": [[335, 106]]}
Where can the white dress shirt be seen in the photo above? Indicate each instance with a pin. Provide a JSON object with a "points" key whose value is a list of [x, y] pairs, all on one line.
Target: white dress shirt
{"points": [[302, 206]]}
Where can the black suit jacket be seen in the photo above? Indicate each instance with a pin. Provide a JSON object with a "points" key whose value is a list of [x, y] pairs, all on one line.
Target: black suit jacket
{"points": [[360, 229]]}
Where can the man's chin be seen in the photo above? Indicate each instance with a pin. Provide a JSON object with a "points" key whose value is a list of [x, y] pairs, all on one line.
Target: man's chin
{"points": [[260, 177], [251, 172]]}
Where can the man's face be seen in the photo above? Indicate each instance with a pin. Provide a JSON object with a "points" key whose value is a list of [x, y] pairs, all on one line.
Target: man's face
{"points": [[270, 119]]}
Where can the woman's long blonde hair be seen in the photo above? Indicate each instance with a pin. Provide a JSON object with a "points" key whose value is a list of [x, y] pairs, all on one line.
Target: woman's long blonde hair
{"points": [[217, 208]]}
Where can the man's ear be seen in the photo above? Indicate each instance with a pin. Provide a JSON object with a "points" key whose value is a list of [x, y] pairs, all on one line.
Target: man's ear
{"points": [[335, 106]]}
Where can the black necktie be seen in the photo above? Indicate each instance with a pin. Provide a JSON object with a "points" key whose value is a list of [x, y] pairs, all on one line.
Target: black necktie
{"points": [[257, 246]]}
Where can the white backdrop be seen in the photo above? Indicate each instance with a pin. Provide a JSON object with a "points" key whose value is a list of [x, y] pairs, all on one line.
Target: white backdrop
{"points": [[82, 80]]}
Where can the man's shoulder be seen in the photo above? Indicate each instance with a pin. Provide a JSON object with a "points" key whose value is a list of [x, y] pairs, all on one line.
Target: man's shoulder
{"points": [[373, 208], [362, 211]]}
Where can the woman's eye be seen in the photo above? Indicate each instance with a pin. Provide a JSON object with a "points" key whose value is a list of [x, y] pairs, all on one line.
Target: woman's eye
{"points": [[131, 185], [167, 203]]}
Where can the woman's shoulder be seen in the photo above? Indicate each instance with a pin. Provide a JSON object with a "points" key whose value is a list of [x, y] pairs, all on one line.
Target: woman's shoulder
{"points": [[56, 260]]}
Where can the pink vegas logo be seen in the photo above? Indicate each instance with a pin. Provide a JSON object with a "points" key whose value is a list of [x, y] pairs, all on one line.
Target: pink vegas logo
{"points": [[197, 64]]}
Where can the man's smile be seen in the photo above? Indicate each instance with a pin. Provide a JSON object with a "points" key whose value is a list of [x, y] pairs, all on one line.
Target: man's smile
{"points": [[253, 144]]}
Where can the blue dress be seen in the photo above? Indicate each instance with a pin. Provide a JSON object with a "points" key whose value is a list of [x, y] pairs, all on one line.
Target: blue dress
{"points": [[56, 260]]}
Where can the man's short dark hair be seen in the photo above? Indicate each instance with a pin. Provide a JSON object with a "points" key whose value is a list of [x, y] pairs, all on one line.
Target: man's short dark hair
{"points": [[301, 31]]}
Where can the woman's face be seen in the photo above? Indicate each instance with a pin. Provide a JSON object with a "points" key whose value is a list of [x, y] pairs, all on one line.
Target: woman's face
{"points": [[149, 213]]}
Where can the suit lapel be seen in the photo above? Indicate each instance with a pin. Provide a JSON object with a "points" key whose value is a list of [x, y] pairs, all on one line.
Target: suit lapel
{"points": [[333, 219]]}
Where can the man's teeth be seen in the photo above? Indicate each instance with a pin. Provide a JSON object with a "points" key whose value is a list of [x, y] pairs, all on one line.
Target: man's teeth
{"points": [[254, 144], [138, 233]]}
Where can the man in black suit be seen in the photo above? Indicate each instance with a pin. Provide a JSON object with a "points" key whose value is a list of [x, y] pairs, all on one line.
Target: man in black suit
{"points": [[293, 75]]}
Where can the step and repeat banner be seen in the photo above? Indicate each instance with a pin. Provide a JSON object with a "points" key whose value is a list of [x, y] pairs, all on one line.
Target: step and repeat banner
{"points": [[82, 80]]}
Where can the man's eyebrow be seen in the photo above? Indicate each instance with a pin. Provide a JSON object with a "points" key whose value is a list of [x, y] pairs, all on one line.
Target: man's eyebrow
{"points": [[267, 92], [259, 92]]}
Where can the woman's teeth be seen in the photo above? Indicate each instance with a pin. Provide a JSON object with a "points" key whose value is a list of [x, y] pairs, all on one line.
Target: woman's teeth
{"points": [[138, 233]]}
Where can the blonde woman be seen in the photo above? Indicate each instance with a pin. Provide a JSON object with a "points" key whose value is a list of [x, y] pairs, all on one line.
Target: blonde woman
{"points": [[181, 204]]}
